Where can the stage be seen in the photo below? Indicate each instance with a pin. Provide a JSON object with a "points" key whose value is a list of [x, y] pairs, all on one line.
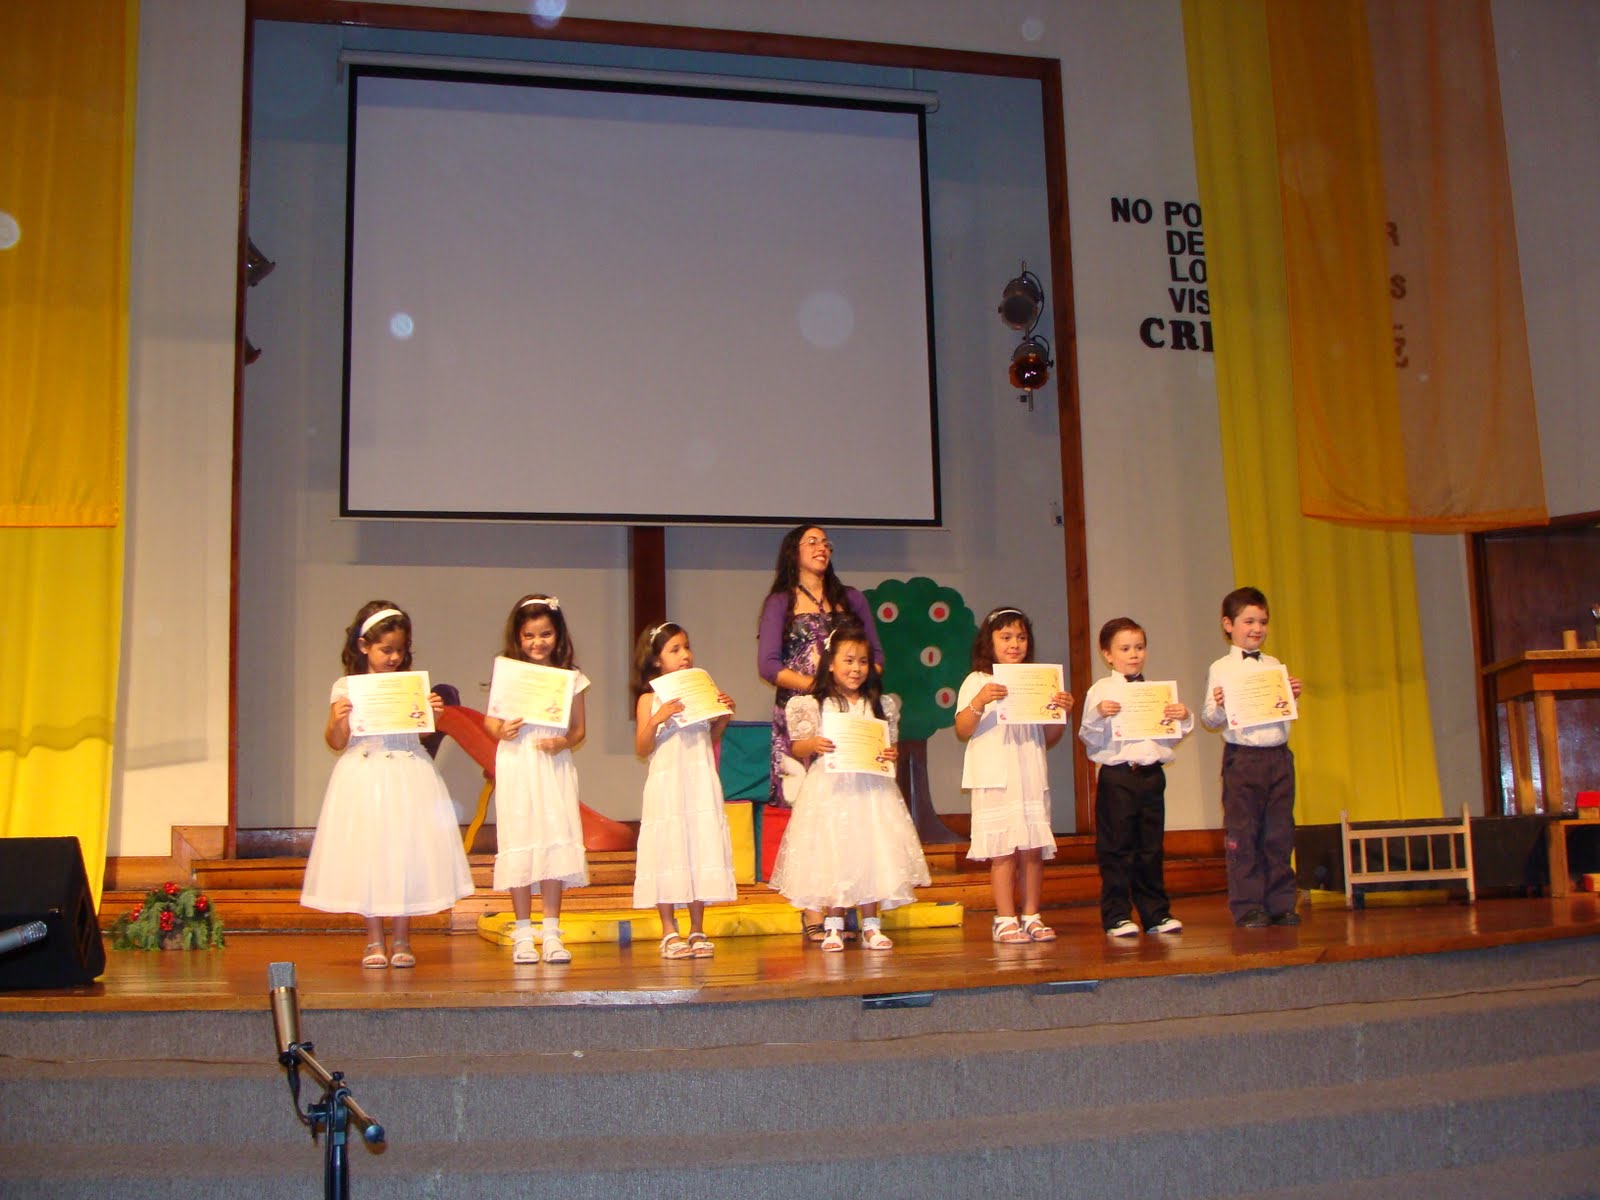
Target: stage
{"points": [[1432, 1049], [465, 971]]}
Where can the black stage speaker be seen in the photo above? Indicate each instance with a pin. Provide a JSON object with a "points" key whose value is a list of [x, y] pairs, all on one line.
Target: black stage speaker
{"points": [[42, 879]]}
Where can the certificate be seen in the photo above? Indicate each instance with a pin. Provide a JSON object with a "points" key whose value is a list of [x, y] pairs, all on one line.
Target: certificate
{"points": [[1260, 697], [392, 702], [858, 744], [1030, 694], [698, 693], [538, 695], [1143, 712]]}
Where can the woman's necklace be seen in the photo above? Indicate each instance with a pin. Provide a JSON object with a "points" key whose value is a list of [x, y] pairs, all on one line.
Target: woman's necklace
{"points": [[810, 595]]}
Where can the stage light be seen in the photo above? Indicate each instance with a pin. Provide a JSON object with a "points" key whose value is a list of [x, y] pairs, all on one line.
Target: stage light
{"points": [[1030, 365], [257, 266], [1021, 306], [1022, 302]]}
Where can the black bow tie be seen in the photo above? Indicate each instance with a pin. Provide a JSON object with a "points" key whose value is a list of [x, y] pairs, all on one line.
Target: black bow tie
{"points": [[1255, 654], [1134, 678]]}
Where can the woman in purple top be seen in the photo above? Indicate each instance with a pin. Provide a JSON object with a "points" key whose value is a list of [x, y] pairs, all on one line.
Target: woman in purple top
{"points": [[801, 609]]}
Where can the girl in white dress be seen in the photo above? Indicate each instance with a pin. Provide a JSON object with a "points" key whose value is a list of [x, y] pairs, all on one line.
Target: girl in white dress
{"points": [[539, 825], [851, 841], [685, 856], [387, 843], [1009, 779]]}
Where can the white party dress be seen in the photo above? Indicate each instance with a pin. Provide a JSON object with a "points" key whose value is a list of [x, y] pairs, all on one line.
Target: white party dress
{"points": [[1015, 815], [387, 842], [850, 840], [538, 822], [684, 854]]}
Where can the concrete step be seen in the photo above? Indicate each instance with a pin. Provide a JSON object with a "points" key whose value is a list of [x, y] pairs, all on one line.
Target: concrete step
{"points": [[1286, 1138], [665, 1090]]}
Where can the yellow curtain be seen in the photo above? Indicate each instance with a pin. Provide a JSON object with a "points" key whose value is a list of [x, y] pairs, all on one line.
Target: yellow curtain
{"points": [[1412, 381], [1463, 379], [1330, 178], [1343, 600], [66, 109]]}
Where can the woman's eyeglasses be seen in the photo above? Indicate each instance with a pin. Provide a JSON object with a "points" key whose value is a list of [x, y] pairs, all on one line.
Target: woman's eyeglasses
{"points": [[816, 541]]}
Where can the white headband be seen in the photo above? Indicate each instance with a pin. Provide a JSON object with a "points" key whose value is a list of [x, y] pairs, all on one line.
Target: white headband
{"points": [[656, 632], [1000, 612], [380, 615], [549, 602]]}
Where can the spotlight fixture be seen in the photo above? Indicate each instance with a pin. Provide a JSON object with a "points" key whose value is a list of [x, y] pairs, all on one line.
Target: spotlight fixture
{"points": [[1021, 306], [257, 266], [1023, 301], [1030, 364]]}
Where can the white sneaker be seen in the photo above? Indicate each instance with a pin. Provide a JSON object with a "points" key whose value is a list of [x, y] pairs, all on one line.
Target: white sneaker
{"points": [[1170, 925], [1122, 929]]}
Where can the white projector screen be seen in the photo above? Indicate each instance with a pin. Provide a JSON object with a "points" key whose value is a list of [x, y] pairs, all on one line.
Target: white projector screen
{"points": [[577, 302]]}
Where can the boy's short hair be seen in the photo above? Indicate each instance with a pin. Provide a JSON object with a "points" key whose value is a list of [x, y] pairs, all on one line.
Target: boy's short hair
{"points": [[1236, 601], [1115, 626]]}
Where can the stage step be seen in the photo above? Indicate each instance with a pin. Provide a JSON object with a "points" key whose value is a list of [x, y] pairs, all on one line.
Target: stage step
{"points": [[263, 894], [1466, 1070]]}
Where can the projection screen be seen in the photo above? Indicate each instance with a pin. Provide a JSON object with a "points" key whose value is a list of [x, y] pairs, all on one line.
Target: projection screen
{"points": [[581, 302]]}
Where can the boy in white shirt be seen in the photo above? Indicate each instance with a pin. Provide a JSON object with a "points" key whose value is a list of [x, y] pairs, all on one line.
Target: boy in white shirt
{"points": [[1257, 777], [1130, 806]]}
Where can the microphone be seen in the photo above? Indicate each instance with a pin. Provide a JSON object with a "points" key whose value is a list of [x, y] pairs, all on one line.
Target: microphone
{"points": [[285, 1009], [19, 936], [293, 1053]]}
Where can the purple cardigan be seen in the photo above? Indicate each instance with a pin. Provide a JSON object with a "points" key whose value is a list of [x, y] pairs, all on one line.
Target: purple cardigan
{"points": [[769, 641]]}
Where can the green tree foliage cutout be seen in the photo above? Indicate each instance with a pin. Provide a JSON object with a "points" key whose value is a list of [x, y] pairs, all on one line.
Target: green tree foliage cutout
{"points": [[927, 633]]}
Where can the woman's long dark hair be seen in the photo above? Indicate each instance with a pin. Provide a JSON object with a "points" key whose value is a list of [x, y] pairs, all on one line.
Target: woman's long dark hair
{"points": [[786, 575], [823, 686]]}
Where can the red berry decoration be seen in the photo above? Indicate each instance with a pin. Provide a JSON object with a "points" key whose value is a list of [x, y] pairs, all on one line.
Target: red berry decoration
{"points": [[138, 911], [171, 889], [168, 920], [201, 904]]}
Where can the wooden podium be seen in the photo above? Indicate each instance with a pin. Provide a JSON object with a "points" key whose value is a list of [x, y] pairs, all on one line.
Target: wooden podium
{"points": [[1543, 676]]}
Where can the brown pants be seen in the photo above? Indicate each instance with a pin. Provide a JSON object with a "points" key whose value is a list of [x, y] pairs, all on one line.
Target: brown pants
{"points": [[1258, 827]]}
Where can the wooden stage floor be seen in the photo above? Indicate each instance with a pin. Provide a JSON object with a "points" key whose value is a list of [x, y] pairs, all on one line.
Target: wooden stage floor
{"points": [[465, 971]]}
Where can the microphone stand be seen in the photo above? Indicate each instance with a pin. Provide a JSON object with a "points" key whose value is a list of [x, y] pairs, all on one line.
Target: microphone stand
{"points": [[329, 1116]]}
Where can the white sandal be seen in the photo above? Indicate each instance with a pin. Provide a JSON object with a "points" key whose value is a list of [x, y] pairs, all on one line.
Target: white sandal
{"points": [[554, 951], [673, 946], [1036, 929], [1008, 932], [873, 937], [700, 946], [523, 950], [833, 940]]}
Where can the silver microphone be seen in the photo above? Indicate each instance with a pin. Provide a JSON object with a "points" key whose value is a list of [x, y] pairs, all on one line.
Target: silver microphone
{"points": [[19, 936], [285, 1005]]}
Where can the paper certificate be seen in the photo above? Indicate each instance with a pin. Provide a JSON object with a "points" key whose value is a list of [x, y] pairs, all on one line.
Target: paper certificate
{"points": [[1142, 717], [858, 744], [1261, 697], [698, 693], [393, 702], [1030, 694], [538, 695]]}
